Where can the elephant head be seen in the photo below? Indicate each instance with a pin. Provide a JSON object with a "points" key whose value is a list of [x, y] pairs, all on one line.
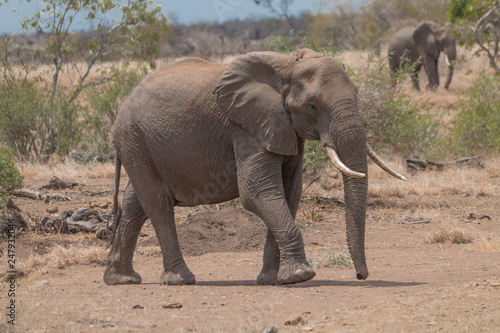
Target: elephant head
{"points": [[281, 100], [432, 39]]}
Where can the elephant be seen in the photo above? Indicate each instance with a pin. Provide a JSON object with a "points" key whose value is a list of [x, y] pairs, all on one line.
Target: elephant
{"points": [[195, 132], [422, 46]]}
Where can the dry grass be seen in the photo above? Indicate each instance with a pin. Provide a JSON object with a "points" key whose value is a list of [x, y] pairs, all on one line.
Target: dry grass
{"points": [[457, 181], [454, 236], [148, 251], [486, 244], [62, 257], [68, 170]]}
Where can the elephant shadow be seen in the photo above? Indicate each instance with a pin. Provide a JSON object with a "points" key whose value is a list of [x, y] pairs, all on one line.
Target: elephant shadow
{"points": [[315, 283]]}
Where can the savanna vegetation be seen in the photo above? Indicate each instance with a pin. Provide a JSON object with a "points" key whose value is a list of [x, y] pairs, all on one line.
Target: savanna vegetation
{"points": [[60, 90], [432, 242]]}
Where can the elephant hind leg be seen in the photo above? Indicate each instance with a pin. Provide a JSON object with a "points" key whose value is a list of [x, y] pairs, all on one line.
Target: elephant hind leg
{"points": [[119, 268], [175, 270]]}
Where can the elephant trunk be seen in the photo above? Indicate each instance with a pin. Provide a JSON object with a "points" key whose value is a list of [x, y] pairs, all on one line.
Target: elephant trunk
{"points": [[350, 143], [450, 60]]}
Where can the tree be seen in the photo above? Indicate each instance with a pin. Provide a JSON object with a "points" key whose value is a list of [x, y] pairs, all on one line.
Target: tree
{"points": [[57, 16], [51, 112], [283, 10], [478, 23]]}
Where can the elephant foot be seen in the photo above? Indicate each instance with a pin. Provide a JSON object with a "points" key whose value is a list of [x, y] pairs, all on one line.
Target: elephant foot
{"points": [[112, 277], [293, 272], [269, 277], [180, 278]]}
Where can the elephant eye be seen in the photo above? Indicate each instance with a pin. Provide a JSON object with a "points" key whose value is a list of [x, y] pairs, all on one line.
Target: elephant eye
{"points": [[312, 107]]}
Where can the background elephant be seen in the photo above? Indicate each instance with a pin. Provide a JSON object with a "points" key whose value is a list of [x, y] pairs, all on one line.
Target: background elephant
{"points": [[195, 132], [426, 42]]}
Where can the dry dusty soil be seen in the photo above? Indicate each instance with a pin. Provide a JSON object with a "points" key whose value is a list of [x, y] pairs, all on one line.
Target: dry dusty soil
{"points": [[415, 285]]}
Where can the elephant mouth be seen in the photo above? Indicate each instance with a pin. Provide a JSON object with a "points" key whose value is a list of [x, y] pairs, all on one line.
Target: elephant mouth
{"points": [[332, 154]]}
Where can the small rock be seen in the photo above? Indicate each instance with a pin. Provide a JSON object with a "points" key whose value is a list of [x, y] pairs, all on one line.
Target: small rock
{"points": [[172, 306], [52, 209], [40, 283], [294, 321], [270, 329], [138, 306], [307, 329]]}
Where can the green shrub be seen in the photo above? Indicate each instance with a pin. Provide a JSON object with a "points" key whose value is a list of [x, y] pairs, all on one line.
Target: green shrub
{"points": [[315, 158], [33, 125], [476, 128], [280, 43], [393, 121], [10, 178]]}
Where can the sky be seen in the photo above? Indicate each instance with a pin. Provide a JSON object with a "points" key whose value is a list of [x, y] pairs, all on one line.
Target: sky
{"points": [[179, 11]]}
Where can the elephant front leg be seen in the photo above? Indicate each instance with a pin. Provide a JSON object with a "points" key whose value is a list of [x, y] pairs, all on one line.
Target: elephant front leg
{"points": [[271, 262], [261, 187], [292, 182], [119, 268]]}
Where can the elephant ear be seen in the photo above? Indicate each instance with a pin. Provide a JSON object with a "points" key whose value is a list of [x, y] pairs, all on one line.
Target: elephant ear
{"points": [[424, 36], [306, 53], [250, 94]]}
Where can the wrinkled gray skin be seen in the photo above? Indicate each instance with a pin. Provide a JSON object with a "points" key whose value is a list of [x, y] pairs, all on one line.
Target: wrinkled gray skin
{"points": [[424, 42], [195, 133]]}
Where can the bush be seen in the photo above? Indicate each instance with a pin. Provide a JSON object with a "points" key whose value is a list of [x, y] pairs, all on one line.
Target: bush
{"points": [[476, 129], [279, 43], [393, 121], [31, 124], [105, 101], [10, 178]]}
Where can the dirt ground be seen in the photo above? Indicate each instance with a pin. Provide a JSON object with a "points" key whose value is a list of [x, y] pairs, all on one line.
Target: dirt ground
{"points": [[414, 284]]}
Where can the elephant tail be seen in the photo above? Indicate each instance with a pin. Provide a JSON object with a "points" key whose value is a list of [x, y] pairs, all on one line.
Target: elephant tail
{"points": [[117, 212]]}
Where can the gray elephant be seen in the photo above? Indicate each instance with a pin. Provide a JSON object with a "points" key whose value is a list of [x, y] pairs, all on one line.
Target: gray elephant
{"points": [[195, 132], [422, 46]]}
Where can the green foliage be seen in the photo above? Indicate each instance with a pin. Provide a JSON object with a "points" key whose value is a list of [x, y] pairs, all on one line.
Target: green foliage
{"points": [[476, 24], [280, 43], [393, 120], [468, 10], [290, 44], [10, 178], [40, 118], [351, 24], [476, 129], [31, 124], [105, 101], [315, 158]]}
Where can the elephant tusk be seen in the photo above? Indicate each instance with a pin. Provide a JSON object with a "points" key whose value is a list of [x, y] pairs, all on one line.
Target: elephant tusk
{"points": [[341, 166], [373, 155]]}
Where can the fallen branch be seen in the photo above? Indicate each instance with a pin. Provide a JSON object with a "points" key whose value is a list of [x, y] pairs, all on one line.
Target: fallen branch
{"points": [[93, 158], [98, 192], [416, 222], [57, 183], [25, 193], [421, 165], [13, 215]]}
